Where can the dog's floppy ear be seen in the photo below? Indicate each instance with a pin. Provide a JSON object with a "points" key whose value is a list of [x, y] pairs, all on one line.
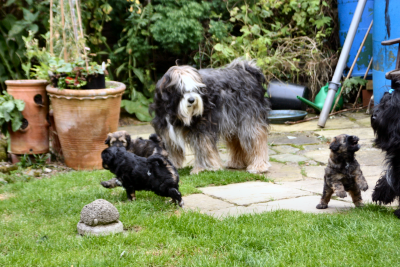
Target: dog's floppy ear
{"points": [[107, 142], [128, 140], [334, 146]]}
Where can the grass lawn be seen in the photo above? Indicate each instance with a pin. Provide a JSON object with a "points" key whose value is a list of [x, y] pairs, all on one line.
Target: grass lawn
{"points": [[38, 228]]}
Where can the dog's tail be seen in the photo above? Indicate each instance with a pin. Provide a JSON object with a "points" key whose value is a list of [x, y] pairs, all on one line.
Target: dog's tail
{"points": [[383, 193], [249, 66], [176, 196]]}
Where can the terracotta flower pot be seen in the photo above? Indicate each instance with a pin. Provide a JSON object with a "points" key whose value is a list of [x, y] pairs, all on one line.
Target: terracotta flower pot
{"points": [[33, 136], [83, 119]]}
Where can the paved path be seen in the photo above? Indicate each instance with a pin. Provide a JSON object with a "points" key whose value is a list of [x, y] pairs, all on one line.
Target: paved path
{"points": [[298, 154]]}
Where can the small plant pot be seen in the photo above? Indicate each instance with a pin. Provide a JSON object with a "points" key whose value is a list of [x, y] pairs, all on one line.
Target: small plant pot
{"points": [[83, 118], [97, 81]]}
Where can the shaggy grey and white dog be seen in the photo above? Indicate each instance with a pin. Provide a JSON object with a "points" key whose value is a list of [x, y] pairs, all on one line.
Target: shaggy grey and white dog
{"points": [[199, 107]]}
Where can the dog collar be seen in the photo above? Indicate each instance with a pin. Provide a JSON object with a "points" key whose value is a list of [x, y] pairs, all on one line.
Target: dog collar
{"points": [[391, 90]]}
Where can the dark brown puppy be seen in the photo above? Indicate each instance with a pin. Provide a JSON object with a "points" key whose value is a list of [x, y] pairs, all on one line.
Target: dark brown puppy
{"points": [[343, 172], [139, 146]]}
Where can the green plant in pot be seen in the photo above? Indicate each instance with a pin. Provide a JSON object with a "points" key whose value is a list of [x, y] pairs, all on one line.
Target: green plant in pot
{"points": [[10, 112], [84, 110]]}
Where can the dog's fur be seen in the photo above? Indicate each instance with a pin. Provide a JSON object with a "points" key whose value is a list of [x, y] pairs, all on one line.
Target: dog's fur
{"points": [[139, 146], [197, 107], [155, 173], [343, 172], [385, 121]]}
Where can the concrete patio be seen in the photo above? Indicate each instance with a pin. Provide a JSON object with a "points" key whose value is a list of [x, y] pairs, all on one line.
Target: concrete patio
{"points": [[298, 155]]}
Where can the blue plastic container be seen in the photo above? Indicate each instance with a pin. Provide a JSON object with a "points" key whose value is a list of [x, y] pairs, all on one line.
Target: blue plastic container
{"points": [[346, 10], [386, 27]]}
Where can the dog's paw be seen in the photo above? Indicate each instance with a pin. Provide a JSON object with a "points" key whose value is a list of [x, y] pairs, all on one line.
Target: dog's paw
{"points": [[363, 186], [341, 194], [322, 206], [397, 213], [359, 204]]}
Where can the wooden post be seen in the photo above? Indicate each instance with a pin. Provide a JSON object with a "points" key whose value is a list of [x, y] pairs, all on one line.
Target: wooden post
{"points": [[78, 11], [63, 31], [51, 28], [365, 76]]}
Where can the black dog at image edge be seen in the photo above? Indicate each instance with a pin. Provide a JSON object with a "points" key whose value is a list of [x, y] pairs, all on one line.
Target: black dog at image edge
{"points": [[385, 121], [154, 173]]}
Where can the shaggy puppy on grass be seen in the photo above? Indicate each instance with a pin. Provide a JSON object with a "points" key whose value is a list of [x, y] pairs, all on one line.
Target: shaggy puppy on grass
{"points": [[385, 121], [154, 173], [343, 172], [139, 146], [200, 107]]}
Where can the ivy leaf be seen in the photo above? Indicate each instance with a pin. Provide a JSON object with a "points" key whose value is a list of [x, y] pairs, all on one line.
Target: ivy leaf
{"points": [[20, 104], [8, 106], [135, 107], [219, 47], [322, 21], [106, 8], [16, 124]]}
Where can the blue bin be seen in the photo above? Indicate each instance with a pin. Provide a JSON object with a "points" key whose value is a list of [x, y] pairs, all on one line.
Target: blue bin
{"points": [[346, 10], [386, 27]]}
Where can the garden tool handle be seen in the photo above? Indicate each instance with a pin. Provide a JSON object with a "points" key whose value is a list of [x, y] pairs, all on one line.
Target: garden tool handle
{"points": [[391, 42]]}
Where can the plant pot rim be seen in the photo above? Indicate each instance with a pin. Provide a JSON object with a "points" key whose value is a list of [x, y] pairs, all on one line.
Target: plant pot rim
{"points": [[23, 83], [117, 89]]}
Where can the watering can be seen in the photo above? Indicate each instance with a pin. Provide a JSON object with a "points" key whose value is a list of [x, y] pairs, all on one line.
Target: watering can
{"points": [[320, 99]]}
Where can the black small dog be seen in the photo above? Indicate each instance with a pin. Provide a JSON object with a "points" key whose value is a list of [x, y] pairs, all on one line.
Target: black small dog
{"points": [[385, 120], [155, 173], [343, 172], [139, 146]]}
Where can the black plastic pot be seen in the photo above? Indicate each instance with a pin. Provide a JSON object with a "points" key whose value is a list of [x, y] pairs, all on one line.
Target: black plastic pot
{"points": [[283, 95], [95, 81]]}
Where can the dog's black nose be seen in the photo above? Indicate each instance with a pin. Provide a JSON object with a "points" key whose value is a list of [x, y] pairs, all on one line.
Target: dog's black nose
{"points": [[191, 100]]}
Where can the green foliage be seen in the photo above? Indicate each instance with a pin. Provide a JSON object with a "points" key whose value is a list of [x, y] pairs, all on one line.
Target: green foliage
{"points": [[177, 24], [351, 86], [17, 17], [10, 111], [288, 46], [38, 162]]}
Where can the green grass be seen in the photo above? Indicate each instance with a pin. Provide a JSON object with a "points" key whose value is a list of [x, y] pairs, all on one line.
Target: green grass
{"points": [[38, 228]]}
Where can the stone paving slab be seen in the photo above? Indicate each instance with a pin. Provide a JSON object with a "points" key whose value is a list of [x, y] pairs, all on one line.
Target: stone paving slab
{"points": [[292, 138], [281, 172], [252, 192], [336, 123], [304, 204], [138, 129], [316, 172], [370, 157], [362, 133], [321, 155], [289, 158], [204, 203], [286, 149]]}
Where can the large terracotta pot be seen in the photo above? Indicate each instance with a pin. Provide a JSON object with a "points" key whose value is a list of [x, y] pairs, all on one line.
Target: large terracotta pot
{"points": [[33, 136], [83, 118]]}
